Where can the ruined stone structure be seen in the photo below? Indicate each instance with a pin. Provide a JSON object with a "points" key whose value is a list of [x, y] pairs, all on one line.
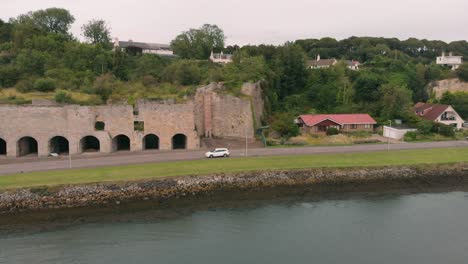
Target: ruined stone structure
{"points": [[42, 128], [448, 85]]}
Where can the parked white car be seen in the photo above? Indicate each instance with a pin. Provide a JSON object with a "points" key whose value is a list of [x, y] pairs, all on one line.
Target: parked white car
{"points": [[218, 152]]}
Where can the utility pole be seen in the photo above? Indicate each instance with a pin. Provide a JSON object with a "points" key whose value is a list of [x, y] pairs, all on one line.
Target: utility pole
{"points": [[246, 141], [388, 137]]}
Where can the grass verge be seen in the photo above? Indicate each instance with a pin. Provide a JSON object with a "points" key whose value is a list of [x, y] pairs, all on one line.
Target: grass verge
{"points": [[200, 167]]}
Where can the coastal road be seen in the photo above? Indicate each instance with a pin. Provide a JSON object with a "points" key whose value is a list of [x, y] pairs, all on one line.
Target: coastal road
{"points": [[19, 165]]}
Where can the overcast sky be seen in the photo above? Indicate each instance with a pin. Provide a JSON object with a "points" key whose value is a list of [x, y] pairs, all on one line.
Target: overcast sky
{"points": [[264, 21]]}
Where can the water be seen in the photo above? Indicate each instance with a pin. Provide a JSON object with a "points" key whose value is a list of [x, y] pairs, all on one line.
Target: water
{"points": [[403, 228]]}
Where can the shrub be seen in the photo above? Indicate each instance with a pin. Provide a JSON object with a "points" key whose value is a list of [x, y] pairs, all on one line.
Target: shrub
{"points": [[25, 86], [332, 131], [411, 136], [425, 127], [447, 131], [63, 97], [44, 85]]}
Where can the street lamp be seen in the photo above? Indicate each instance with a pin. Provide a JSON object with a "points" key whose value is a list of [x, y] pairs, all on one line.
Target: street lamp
{"points": [[388, 136]]}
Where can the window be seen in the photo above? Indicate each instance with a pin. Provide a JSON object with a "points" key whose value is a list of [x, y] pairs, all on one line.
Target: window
{"points": [[139, 126], [367, 126], [353, 126], [99, 126]]}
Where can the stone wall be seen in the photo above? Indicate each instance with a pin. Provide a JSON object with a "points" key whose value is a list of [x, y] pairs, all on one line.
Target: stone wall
{"points": [[450, 85], [212, 112], [75, 122], [223, 115]]}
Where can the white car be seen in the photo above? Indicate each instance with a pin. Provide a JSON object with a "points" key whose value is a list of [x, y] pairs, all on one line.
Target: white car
{"points": [[218, 152]]}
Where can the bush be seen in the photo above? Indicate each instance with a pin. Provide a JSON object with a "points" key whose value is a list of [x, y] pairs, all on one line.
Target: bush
{"points": [[332, 131], [25, 86], [425, 127], [447, 131], [63, 97], [411, 136], [44, 85]]}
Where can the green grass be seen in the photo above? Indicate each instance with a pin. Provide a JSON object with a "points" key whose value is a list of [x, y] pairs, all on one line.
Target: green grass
{"points": [[200, 167]]}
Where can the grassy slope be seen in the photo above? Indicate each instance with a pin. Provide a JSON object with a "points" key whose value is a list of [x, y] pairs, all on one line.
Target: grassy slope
{"points": [[145, 171]]}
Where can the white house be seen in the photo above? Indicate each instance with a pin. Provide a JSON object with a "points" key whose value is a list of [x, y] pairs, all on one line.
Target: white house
{"points": [[444, 114], [452, 61], [142, 47], [320, 64], [221, 58]]}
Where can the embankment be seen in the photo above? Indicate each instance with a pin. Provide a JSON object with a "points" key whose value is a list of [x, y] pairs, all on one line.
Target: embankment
{"points": [[356, 178]]}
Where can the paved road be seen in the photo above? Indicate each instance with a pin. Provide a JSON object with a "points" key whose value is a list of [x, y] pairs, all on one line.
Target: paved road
{"points": [[9, 166]]}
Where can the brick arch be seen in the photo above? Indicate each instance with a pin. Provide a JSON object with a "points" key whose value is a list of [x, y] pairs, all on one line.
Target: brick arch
{"points": [[3, 147], [121, 142], [179, 141], [150, 141], [59, 144], [27, 146], [90, 143]]}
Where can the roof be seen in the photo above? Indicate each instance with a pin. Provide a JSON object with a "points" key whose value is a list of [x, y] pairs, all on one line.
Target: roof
{"points": [[324, 62], [145, 46], [342, 119], [352, 63], [430, 111]]}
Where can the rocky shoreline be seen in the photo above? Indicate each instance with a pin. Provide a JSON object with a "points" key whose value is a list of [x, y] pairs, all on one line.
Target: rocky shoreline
{"points": [[164, 189]]}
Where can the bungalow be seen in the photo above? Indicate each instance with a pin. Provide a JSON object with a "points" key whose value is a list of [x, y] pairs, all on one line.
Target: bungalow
{"points": [[142, 47], [320, 64], [451, 61], [345, 122], [444, 114]]}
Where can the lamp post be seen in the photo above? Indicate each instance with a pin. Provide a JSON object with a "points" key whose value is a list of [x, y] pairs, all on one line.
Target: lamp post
{"points": [[246, 141], [388, 137]]}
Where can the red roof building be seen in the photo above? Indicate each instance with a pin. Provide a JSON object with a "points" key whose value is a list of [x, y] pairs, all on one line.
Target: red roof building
{"points": [[344, 122], [440, 113]]}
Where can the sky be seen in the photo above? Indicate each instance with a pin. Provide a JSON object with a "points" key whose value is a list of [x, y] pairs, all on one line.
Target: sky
{"points": [[263, 21]]}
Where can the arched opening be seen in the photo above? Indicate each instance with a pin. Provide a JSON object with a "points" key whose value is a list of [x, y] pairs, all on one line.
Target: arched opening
{"points": [[3, 149], [121, 143], [179, 141], [58, 145], [27, 146], [90, 144], [151, 141]]}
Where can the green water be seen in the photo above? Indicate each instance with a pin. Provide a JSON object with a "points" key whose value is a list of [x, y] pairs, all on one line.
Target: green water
{"points": [[410, 228]]}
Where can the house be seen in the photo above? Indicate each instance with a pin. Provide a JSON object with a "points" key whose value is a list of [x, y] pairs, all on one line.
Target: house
{"points": [[353, 65], [326, 63], [317, 124], [444, 114], [320, 64], [221, 58], [142, 47], [452, 61]]}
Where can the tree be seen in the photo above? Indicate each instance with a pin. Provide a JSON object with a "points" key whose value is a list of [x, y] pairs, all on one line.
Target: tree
{"points": [[462, 72], [97, 32], [290, 67], [396, 101], [53, 20], [5, 31], [198, 43], [283, 123]]}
